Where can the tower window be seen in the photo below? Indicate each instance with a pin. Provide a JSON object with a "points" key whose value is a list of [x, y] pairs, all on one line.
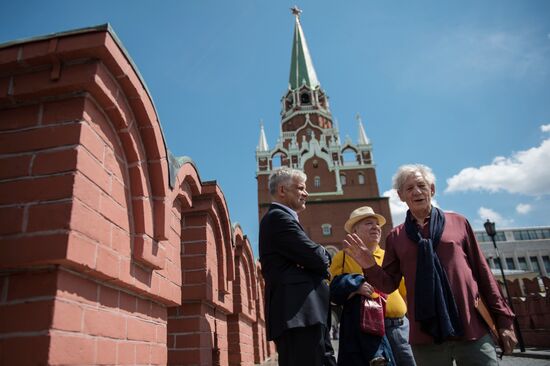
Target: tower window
{"points": [[305, 98], [349, 156], [317, 182], [278, 161], [327, 229], [360, 178], [343, 179], [288, 102]]}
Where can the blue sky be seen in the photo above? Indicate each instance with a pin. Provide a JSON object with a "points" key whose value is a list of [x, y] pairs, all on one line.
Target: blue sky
{"points": [[462, 86]]}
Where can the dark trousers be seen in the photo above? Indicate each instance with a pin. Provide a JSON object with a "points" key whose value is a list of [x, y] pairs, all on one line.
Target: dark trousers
{"points": [[305, 346]]}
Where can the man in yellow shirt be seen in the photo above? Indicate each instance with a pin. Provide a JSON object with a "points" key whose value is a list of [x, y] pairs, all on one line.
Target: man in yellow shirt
{"points": [[364, 222]]}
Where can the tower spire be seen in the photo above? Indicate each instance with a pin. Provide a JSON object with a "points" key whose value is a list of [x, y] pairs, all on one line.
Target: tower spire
{"points": [[363, 139], [309, 139], [262, 143], [301, 66]]}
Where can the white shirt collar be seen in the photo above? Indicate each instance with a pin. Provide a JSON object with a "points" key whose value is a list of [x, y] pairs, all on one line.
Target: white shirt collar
{"points": [[292, 212]]}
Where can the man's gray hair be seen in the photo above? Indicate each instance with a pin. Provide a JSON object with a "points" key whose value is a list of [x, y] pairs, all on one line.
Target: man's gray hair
{"points": [[283, 176], [406, 171]]}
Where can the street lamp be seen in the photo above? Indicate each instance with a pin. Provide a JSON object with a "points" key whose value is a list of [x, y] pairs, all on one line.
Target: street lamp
{"points": [[491, 231]]}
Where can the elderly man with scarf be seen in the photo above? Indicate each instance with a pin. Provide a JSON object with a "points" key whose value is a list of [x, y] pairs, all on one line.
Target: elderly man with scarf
{"points": [[445, 273]]}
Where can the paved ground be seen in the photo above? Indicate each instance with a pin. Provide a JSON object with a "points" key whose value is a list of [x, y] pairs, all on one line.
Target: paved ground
{"points": [[523, 361], [531, 357]]}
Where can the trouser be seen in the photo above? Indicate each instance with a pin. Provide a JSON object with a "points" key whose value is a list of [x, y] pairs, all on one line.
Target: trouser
{"points": [[480, 352], [305, 346], [397, 332]]}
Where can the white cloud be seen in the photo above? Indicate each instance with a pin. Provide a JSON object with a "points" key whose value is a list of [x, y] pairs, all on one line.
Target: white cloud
{"points": [[397, 207], [487, 213], [523, 208], [545, 128], [524, 172]]}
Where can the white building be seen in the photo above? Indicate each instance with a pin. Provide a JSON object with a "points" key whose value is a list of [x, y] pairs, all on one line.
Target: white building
{"points": [[525, 252]]}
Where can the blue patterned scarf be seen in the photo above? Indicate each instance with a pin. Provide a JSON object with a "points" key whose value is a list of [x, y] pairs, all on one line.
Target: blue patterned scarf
{"points": [[435, 306]]}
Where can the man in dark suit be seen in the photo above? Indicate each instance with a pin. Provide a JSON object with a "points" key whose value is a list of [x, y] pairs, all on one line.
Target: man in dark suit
{"points": [[295, 270]]}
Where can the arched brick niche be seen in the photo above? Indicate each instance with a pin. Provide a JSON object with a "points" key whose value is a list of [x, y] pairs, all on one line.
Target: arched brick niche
{"points": [[241, 322], [262, 348], [198, 329], [84, 182], [207, 248]]}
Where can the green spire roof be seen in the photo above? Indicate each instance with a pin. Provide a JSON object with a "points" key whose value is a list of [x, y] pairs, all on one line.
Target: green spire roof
{"points": [[301, 66]]}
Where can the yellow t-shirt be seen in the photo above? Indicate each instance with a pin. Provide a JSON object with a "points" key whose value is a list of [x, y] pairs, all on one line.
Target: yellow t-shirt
{"points": [[395, 305]]}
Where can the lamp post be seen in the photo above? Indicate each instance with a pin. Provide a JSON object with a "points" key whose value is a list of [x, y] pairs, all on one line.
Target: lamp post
{"points": [[491, 231]]}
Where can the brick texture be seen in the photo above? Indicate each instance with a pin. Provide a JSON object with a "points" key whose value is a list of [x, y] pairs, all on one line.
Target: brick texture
{"points": [[101, 260]]}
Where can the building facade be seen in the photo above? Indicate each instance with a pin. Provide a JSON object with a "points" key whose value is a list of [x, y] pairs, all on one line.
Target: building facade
{"points": [[520, 249], [341, 175]]}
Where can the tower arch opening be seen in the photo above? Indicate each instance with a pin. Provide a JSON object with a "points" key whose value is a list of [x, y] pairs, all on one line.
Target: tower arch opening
{"points": [[349, 156]]}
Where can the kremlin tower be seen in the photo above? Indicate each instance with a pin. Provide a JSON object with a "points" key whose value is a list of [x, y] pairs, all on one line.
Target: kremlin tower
{"points": [[341, 175]]}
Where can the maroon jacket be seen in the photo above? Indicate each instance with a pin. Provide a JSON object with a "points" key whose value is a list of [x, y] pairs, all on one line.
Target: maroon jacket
{"points": [[466, 268]]}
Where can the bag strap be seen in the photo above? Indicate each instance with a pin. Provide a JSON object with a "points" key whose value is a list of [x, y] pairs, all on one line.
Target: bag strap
{"points": [[343, 261]]}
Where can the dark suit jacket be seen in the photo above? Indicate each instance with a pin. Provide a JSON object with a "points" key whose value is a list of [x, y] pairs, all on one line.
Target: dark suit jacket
{"points": [[294, 268]]}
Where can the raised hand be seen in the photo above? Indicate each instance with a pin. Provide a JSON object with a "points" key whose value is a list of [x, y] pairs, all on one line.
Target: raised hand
{"points": [[354, 246]]}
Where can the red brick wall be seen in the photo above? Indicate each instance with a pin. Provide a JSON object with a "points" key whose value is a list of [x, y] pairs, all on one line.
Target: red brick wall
{"points": [[241, 342], [92, 269], [532, 310], [262, 348], [215, 324], [197, 335], [321, 170], [245, 293], [71, 133]]}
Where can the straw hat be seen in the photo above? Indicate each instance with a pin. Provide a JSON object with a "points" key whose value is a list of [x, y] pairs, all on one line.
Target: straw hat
{"points": [[362, 213]]}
